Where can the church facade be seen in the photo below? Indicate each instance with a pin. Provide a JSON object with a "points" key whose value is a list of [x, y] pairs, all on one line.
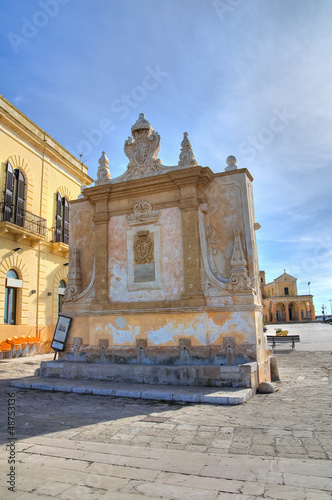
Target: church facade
{"points": [[281, 302]]}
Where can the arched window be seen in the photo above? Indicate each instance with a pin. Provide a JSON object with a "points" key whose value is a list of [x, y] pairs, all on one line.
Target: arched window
{"points": [[61, 292], [62, 219], [14, 196], [12, 284]]}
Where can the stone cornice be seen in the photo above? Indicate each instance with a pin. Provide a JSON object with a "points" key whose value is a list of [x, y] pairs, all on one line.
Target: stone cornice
{"points": [[198, 177], [120, 308], [235, 172], [288, 298]]}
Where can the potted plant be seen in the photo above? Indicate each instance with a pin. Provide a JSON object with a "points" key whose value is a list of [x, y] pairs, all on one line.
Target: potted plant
{"points": [[280, 332]]}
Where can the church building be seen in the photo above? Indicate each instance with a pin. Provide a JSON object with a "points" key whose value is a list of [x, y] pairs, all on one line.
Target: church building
{"points": [[281, 302]]}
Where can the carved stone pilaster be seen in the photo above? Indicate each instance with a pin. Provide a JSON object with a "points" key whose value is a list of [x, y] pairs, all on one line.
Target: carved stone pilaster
{"points": [[191, 250]]}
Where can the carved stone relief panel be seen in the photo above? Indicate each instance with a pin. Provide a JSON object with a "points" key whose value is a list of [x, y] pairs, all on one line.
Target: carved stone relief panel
{"points": [[225, 214], [144, 265], [143, 254]]}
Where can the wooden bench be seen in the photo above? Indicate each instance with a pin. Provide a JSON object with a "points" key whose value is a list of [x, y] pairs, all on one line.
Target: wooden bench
{"points": [[274, 340]]}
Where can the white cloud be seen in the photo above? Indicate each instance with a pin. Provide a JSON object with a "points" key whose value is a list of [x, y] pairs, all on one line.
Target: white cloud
{"points": [[226, 79]]}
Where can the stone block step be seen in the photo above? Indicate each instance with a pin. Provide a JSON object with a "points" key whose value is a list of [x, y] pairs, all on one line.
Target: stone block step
{"points": [[180, 394]]}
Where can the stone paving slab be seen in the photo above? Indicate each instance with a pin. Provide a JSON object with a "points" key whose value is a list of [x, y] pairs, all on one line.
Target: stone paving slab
{"points": [[316, 336], [73, 445], [183, 394], [172, 474]]}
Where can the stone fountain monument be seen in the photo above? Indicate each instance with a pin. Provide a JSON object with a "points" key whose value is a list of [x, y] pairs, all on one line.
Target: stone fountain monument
{"points": [[163, 283]]}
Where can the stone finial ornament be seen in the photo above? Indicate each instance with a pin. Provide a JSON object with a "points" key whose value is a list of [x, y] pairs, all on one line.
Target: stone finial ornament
{"points": [[187, 157], [143, 151], [141, 124], [231, 163], [103, 174], [80, 196]]}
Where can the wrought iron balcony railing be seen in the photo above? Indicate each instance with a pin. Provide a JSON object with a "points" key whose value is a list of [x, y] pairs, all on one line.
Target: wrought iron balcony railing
{"points": [[60, 235], [22, 218]]}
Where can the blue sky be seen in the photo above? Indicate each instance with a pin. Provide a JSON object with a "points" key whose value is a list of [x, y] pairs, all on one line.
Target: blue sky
{"points": [[252, 78]]}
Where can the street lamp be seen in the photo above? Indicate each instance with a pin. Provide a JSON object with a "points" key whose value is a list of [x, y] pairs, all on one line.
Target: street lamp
{"points": [[323, 311], [309, 286], [331, 305]]}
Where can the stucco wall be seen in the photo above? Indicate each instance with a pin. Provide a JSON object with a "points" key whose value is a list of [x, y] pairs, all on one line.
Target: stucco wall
{"points": [[169, 255]]}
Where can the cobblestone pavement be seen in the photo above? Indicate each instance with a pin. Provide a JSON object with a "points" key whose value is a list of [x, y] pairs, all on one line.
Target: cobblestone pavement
{"points": [[70, 446]]}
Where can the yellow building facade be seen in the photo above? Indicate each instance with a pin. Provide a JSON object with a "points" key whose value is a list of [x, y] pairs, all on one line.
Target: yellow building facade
{"points": [[281, 302], [38, 179]]}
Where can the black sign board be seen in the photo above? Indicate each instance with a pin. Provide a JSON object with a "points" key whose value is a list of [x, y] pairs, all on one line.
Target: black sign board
{"points": [[61, 332]]}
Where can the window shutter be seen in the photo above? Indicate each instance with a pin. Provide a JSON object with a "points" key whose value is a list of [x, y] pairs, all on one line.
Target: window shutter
{"points": [[65, 219], [9, 188], [58, 218], [20, 198]]}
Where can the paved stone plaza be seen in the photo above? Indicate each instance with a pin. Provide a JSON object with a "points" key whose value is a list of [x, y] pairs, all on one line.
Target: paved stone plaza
{"points": [[81, 446]]}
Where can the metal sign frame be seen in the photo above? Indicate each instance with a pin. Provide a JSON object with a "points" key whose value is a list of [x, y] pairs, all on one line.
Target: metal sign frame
{"points": [[61, 332]]}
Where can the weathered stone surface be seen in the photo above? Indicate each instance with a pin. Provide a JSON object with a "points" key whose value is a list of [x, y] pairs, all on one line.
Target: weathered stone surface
{"points": [[274, 369], [265, 388], [69, 438], [173, 255], [193, 375]]}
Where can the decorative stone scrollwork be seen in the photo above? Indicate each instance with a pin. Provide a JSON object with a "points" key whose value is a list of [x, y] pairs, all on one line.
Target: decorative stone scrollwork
{"points": [[103, 174], [187, 157], [143, 151], [206, 241], [239, 280], [71, 293], [204, 207], [210, 235], [143, 214]]}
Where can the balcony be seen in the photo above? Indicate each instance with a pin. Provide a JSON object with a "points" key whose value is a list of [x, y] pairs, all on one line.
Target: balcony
{"points": [[22, 224], [60, 241]]}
